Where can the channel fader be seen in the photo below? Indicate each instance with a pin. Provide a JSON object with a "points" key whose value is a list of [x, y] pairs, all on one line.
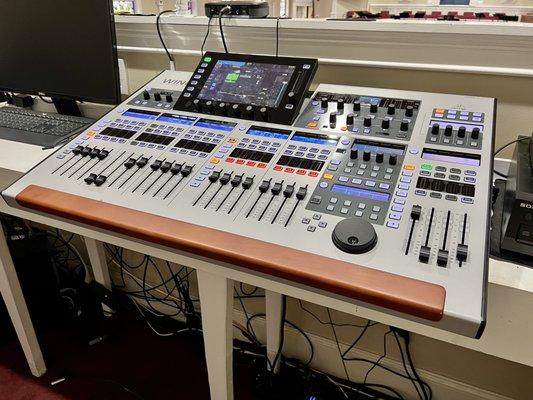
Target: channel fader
{"points": [[379, 196]]}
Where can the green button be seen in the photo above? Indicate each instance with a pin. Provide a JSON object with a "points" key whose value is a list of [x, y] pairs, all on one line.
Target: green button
{"points": [[207, 59], [427, 167]]}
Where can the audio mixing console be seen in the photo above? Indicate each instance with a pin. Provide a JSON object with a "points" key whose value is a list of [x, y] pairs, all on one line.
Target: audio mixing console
{"points": [[372, 194]]}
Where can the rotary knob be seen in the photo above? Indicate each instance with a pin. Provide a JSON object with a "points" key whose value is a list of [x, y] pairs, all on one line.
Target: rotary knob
{"points": [[340, 105], [367, 121], [263, 112], [157, 96], [249, 112], [393, 159], [168, 98], [291, 98], [379, 158], [404, 125], [146, 95], [357, 105], [333, 119], [448, 130], [324, 102], [354, 236], [391, 109], [349, 119], [197, 105], [209, 106], [475, 133], [435, 129], [374, 108], [385, 124], [222, 109], [236, 110], [354, 154], [366, 155], [409, 110], [461, 132]]}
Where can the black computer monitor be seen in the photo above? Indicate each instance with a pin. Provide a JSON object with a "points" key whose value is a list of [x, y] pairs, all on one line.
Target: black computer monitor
{"points": [[64, 49]]}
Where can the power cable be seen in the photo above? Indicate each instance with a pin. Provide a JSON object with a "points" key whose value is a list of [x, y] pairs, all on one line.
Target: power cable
{"points": [[158, 27]]}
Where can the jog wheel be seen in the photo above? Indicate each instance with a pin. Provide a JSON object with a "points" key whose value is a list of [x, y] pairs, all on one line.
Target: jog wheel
{"points": [[354, 236]]}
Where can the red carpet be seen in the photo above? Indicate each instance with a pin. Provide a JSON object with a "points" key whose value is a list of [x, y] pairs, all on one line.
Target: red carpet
{"points": [[151, 366]]}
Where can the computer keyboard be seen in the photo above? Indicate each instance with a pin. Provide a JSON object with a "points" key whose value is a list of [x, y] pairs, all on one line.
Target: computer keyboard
{"points": [[44, 129]]}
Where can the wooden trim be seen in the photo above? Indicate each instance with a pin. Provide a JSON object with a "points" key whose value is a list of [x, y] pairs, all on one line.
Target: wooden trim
{"points": [[411, 296]]}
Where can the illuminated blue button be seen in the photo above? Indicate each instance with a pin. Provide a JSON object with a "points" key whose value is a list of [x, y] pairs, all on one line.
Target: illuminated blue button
{"points": [[370, 183], [322, 157], [405, 179], [186, 94], [345, 141], [262, 148], [477, 114], [224, 151], [366, 130], [323, 185], [288, 152], [467, 200], [357, 181], [194, 83], [425, 173], [452, 111], [398, 200], [203, 65], [291, 147], [469, 179], [272, 149], [309, 155], [200, 71], [413, 151], [395, 216], [276, 144], [420, 192], [393, 224], [219, 155], [313, 150], [315, 103], [403, 186], [469, 172], [476, 119], [355, 130], [397, 208], [197, 76], [210, 166], [195, 183], [255, 141], [401, 193], [384, 186], [216, 140], [335, 162], [316, 118], [241, 145], [464, 113], [299, 153], [343, 178], [302, 148]]}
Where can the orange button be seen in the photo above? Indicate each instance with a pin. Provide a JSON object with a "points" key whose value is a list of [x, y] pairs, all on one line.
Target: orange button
{"points": [[344, 128], [251, 163], [409, 167], [215, 161], [278, 168], [300, 171], [240, 161], [90, 133], [261, 165], [313, 173], [312, 124], [232, 140], [230, 160], [440, 110], [328, 176], [289, 170]]}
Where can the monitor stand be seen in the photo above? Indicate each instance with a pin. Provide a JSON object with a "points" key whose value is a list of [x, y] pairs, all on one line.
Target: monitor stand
{"points": [[67, 107]]}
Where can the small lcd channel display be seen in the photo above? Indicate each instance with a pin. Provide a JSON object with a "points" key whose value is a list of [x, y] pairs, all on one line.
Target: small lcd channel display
{"points": [[313, 138], [375, 147], [451, 157], [244, 82], [362, 193], [140, 114], [177, 119], [268, 133], [218, 125]]}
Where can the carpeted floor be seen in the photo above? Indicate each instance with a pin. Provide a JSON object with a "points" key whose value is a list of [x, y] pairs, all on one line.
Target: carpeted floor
{"points": [[131, 355]]}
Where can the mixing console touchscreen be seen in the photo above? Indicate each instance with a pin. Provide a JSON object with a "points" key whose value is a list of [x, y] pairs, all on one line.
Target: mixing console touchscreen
{"points": [[378, 196]]}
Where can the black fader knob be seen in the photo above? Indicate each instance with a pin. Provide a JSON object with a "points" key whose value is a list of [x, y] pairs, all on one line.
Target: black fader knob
{"points": [[379, 158], [409, 110], [349, 119], [276, 189], [374, 108], [186, 170], [435, 129], [264, 186], [247, 183], [357, 105], [367, 121], [448, 130], [102, 154], [366, 155], [475, 133], [393, 159], [354, 236], [215, 175], [404, 125], [461, 132], [324, 103], [391, 109]]}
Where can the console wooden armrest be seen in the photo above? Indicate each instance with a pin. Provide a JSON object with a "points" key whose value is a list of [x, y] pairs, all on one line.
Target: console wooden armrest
{"points": [[395, 292]]}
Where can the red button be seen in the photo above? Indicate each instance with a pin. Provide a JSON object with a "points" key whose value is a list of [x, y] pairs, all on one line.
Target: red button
{"points": [[240, 161], [278, 168], [261, 165], [251, 163], [301, 172], [230, 159], [289, 170], [313, 173]]}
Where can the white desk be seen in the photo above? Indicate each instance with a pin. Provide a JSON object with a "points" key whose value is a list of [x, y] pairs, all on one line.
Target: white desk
{"points": [[510, 294]]}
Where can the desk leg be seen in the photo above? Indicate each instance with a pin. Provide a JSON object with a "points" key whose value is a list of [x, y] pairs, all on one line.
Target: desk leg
{"points": [[274, 315], [18, 311], [96, 252], [216, 302]]}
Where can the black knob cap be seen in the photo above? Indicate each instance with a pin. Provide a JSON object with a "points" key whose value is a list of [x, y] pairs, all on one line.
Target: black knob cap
{"points": [[354, 154], [393, 159], [475, 134], [340, 105], [391, 109], [197, 105], [324, 102], [409, 110], [461, 132], [385, 124], [448, 130], [354, 235], [357, 105], [249, 112], [209, 106], [366, 155], [263, 111], [236, 110], [435, 129], [367, 121], [146, 95], [157, 96], [169, 98], [379, 158], [404, 126], [333, 119], [349, 119], [374, 108]]}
